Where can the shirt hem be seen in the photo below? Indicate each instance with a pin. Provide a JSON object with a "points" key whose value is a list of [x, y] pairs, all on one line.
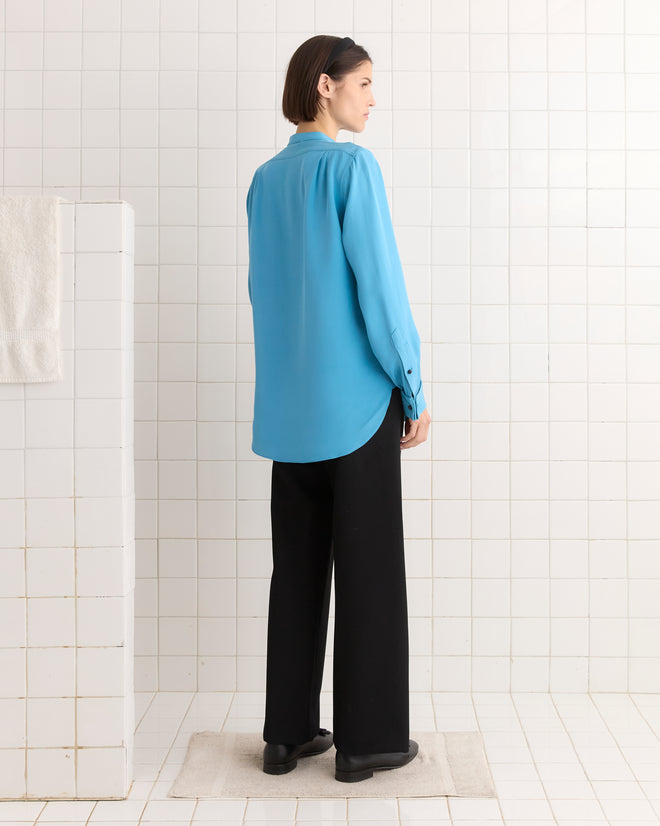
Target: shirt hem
{"points": [[368, 431]]}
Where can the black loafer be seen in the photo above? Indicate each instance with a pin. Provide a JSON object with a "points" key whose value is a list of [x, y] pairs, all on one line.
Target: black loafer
{"points": [[280, 759], [350, 768]]}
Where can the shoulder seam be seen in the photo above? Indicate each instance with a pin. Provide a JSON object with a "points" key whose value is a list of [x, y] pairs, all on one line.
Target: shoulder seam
{"points": [[349, 167], [358, 151]]}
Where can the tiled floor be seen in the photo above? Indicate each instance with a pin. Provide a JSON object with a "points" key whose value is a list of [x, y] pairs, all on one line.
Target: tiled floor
{"points": [[569, 759]]}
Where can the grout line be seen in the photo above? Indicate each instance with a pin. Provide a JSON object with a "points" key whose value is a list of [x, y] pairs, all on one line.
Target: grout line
{"points": [[587, 347], [184, 715], [197, 383], [81, 111], [510, 675], [229, 710], [511, 699], [431, 373], [525, 735], [42, 152], [625, 748], [75, 532], [548, 376], [470, 399], [157, 354], [589, 698], [243, 207], [625, 349], [147, 708], [469, 355], [4, 91]]}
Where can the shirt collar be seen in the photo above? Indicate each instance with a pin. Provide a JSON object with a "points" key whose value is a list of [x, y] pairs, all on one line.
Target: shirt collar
{"points": [[298, 137]]}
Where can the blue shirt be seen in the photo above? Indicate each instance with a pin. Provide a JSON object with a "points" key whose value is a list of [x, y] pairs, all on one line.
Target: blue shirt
{"points": [[333, 329]]}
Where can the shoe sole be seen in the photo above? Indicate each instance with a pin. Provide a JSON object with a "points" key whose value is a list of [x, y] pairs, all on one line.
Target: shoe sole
{"points": [[280, 768], [365, 774], [283, 768]]}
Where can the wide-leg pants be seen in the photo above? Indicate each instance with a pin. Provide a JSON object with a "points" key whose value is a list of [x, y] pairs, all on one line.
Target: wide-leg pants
{"points": [[345, 511]]}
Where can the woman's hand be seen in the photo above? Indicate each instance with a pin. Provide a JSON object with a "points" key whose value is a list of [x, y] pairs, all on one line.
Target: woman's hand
{"points": [[416, 430]]}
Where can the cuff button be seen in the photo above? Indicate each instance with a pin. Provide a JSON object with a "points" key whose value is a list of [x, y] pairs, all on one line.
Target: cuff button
{"points": [[410, 371]]}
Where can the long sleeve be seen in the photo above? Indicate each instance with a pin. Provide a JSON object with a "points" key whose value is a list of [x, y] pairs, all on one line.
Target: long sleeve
{"points": [[371, 249]]}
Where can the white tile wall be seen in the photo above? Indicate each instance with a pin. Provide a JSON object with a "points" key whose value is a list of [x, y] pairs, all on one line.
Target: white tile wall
{"points": [[66, 471], [519, 143]]}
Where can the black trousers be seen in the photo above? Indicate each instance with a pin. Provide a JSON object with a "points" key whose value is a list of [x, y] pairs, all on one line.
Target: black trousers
{"points": [[345, 512]]}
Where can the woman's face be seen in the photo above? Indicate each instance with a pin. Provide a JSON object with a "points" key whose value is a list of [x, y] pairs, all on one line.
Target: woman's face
{"points": [[350, 101]]}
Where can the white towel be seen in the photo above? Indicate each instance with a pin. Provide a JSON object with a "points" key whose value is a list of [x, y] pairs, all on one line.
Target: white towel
{"points": [[30, 289]]}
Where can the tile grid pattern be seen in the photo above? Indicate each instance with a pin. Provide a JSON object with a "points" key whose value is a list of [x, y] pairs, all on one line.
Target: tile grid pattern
{"points": [[531, 514], [570, 606], [564, 500], [578, 759], [67, 535]]}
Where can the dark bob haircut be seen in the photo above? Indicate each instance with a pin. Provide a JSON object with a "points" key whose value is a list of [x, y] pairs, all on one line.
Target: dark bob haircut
{"points": [[301, 100]]}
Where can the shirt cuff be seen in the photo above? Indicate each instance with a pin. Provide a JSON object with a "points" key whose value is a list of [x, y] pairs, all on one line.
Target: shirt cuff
{"points": [[413, 406]]}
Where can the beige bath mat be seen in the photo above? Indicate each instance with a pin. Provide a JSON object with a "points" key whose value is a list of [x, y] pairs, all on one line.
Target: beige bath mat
{"points": [[219, 765]]}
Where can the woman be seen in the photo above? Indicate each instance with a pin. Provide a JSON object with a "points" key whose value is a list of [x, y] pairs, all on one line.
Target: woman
{"points": [[338, 395]]}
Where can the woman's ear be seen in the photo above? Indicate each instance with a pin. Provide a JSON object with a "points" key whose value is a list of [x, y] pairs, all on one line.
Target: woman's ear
{"points": [[324, 85]]}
